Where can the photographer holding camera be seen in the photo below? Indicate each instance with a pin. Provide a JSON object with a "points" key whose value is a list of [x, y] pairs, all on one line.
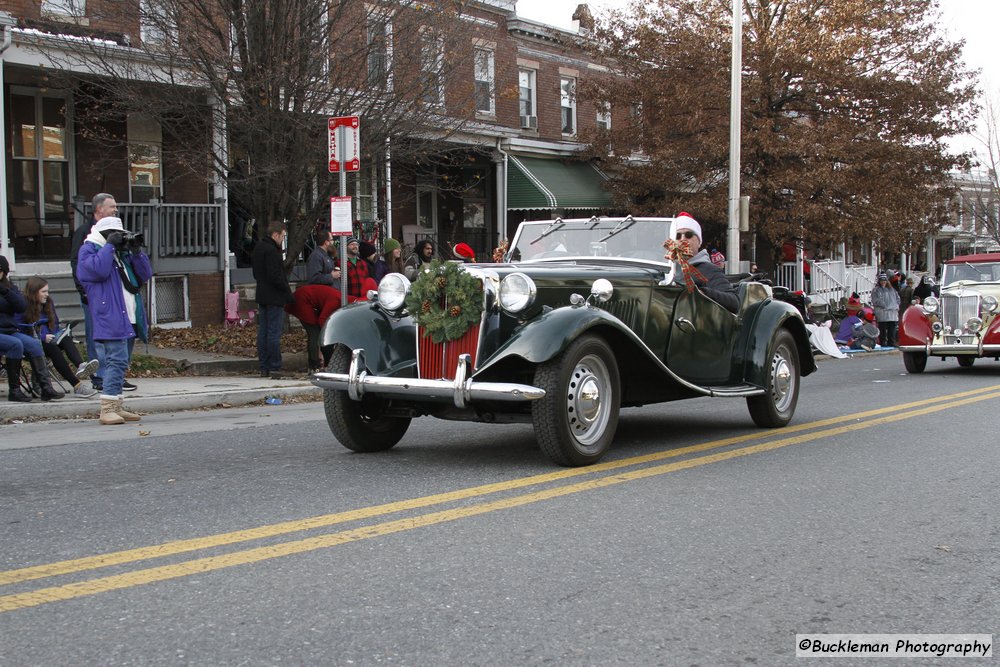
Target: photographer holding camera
{"points": [[112, 268]]}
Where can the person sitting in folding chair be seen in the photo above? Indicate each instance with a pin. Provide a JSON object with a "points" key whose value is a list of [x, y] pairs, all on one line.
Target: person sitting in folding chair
{"points": [[40, 320], [12, 352], [11, 303]]}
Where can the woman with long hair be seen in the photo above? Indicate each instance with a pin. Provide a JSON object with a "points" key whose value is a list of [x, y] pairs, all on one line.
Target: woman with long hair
{"points": [[391, 260], [41, 316], [17, 344]]}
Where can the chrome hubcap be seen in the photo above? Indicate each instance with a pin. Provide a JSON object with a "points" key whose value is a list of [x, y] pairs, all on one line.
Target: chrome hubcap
{"points": [[588, 414], [782, 381]]}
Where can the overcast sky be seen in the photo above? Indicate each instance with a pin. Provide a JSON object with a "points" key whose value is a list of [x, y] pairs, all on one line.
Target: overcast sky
{"points": [[974, 20]]}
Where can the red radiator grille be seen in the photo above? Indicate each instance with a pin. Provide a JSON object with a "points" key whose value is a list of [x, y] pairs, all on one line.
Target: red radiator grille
{"points": [[438, 360]]}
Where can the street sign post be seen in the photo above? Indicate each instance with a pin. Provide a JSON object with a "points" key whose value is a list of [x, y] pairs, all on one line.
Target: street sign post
{"points": [[344, 139]]}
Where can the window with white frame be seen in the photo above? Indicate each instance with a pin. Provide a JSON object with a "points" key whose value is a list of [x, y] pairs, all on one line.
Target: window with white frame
{"points": [[431, 65], [567, 103], [604, 116], [484, 81], [56, 8], [145, 158], [526, 98], [378, 50], [156, 25], [145, 166]]}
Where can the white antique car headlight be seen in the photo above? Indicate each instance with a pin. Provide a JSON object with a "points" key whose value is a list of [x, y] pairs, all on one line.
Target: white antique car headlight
{"points": [[392, 290], [989, 304], [930, 305], [973, 324], [517, 292]]}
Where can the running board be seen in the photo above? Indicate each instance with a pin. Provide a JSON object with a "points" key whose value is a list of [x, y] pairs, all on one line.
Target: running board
{"points": [[735, 391]]}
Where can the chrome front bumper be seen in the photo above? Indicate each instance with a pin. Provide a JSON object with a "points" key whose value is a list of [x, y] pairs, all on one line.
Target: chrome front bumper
{"points": [[461, 391], [953, 349]]}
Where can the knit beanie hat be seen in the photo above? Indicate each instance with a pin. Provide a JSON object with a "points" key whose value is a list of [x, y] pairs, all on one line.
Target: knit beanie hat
{"points": [[389, 245]]}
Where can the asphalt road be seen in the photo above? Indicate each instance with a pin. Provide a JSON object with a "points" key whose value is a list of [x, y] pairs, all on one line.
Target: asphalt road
{"points": [[250, 537]]}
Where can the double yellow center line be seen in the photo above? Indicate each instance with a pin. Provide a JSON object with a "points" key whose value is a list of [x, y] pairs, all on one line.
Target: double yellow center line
{"points": [[791, 435]]}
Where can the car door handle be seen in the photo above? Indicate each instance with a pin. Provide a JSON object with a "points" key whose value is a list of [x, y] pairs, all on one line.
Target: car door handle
{"points": [[686, 324]]}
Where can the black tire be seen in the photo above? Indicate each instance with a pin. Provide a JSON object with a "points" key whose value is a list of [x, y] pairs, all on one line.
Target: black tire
{"points": [[915, 362], [777, 405], [575, 421], [359, 425], [966, 362]]}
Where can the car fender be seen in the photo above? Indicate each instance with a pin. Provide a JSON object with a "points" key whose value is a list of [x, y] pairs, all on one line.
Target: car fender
{"points": [[992, 334], [771, 316], [389, 342], [915, 327], [543, 338]]}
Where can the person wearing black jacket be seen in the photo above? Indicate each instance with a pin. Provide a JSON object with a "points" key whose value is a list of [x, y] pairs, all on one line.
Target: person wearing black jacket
{"points": [[716, 286], [105, 206], [273, 293]]}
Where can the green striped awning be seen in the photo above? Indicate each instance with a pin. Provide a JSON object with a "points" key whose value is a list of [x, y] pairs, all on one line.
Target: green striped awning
{"points": [[539, 183]]}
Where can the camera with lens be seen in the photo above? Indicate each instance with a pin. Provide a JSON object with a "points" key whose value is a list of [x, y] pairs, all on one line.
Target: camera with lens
{"points": [[133, 241]]}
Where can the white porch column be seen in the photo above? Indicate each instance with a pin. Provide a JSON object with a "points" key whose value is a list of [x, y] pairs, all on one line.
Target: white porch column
{"points": [[220, 150], [6, 23]]}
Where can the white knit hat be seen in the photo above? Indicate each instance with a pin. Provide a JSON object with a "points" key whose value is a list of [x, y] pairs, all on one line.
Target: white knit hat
{"points": [[685, 221], [105, 224]]}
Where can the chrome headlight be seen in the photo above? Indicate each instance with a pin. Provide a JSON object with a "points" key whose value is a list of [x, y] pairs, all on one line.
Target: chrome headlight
{"points": [[973, 324], [990, 304], [930, 305], [602, 289], [517, 292], [392, 291]]}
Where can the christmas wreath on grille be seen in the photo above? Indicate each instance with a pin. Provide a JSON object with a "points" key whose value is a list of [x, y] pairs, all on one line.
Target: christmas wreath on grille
{"points": [[445, 301]]}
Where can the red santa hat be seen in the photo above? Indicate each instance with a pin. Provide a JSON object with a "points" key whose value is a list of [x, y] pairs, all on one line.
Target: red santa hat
{"points": [[464, 251]]}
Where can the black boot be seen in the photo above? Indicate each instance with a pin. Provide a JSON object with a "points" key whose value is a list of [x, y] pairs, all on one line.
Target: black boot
{"points": [[40, 374], [15, 395]]}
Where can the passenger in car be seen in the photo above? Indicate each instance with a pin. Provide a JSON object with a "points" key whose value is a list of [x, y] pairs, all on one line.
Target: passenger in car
{"points": [[685, 230]]}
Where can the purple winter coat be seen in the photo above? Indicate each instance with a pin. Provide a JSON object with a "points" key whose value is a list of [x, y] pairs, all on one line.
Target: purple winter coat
{"points": [[95, 268]]}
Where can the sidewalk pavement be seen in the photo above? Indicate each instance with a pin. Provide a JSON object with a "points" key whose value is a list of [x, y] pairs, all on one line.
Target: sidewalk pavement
{"points": [[210, 380]]}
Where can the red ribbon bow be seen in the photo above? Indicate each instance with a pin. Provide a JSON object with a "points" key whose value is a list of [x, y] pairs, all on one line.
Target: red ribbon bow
{"points": [[679, 251]]}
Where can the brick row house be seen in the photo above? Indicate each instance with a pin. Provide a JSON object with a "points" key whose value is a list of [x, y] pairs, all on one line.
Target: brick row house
{"points": [[515, 156]]}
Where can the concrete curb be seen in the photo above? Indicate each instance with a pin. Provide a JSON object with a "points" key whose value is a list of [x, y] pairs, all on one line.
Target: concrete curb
{"points": [[67, 409]]}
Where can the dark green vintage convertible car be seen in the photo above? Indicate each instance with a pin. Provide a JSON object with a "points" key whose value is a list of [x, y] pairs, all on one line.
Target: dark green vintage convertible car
{"points": [[582, 318]]}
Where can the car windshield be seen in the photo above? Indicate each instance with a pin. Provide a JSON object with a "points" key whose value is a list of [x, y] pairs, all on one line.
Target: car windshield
{"points": [[980, 272], [632, 238]]}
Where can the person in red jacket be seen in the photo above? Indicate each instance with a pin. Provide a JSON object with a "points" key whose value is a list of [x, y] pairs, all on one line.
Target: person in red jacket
{"points": [[358, 279], [312, 306]]}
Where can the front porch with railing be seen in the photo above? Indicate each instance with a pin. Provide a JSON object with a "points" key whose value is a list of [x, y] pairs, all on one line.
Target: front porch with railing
{"points": [[180, 238], [828, 282]]}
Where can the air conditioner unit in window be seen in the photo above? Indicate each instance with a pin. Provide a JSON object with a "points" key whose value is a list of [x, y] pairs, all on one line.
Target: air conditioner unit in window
{"points": [[529, 122]]}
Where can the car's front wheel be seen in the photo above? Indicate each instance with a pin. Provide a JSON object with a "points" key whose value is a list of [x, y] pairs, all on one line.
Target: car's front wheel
{"points": [[915, 362], [966, 362], [777, 405], [359, 425], [575, 421]]}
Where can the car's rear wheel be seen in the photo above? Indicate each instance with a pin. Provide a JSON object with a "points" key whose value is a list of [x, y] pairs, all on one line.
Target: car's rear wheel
{"points": [[777, 405], [575, 421], [359, 425], [915, 362], [966, 362]]}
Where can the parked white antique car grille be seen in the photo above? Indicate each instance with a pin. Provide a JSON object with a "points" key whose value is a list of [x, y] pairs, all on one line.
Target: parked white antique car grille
{"points": [[956, 310]]}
